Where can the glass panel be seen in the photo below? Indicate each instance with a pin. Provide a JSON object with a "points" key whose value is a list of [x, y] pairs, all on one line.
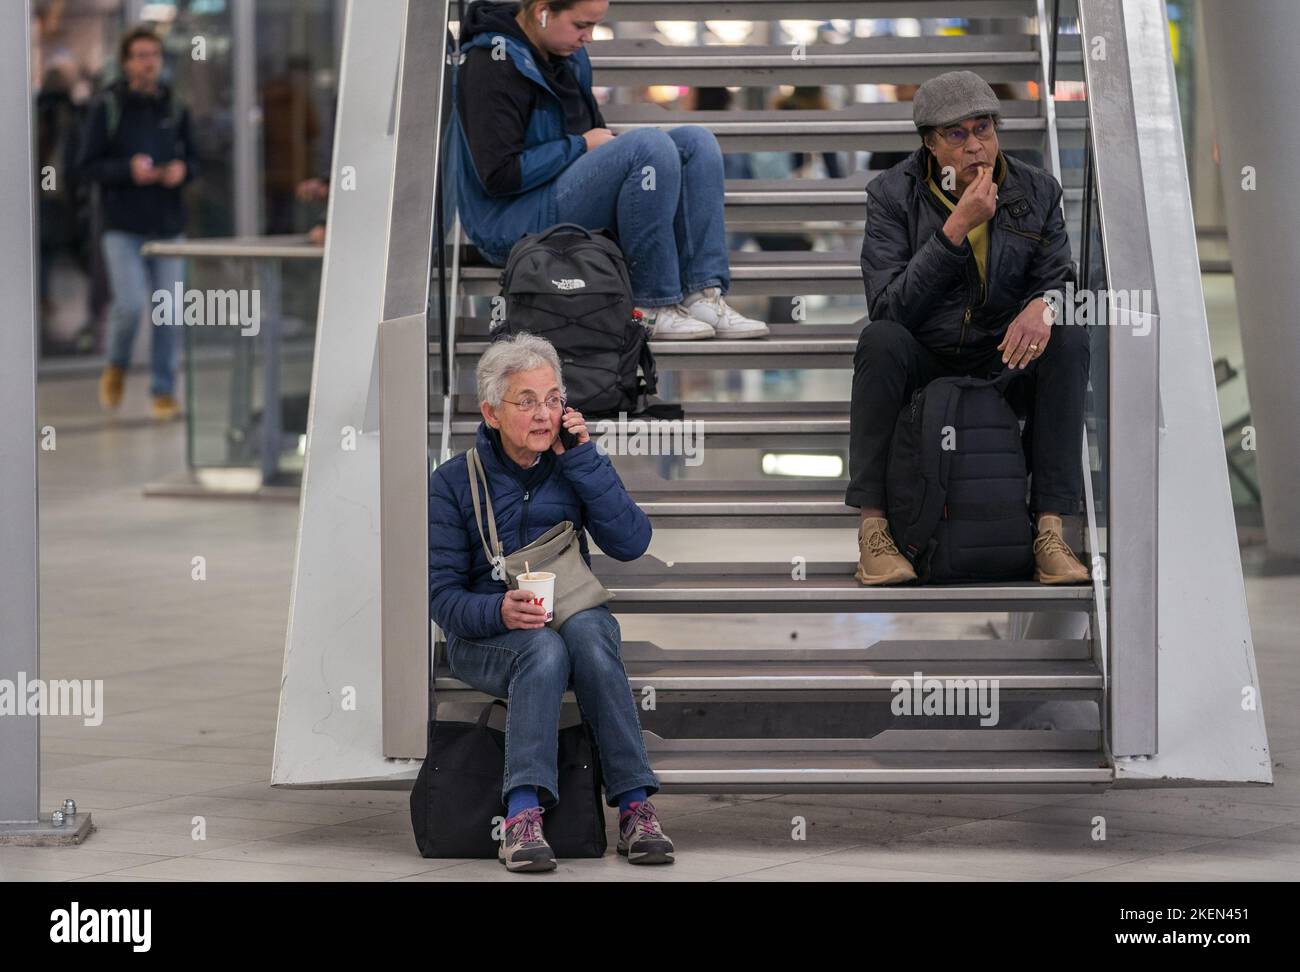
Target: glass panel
{"points": [[226, 370], [197, 42]]}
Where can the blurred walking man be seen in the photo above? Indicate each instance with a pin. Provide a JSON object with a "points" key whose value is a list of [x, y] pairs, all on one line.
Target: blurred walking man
{"points": [[139, 148]]}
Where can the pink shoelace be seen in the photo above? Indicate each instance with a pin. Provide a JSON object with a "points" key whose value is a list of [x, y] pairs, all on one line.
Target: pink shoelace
{"points": [[531, 824], [644, 814]]}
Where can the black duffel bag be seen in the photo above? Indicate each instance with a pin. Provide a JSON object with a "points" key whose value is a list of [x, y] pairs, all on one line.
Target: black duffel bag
{"points": [[955, 484], [456, 808]]}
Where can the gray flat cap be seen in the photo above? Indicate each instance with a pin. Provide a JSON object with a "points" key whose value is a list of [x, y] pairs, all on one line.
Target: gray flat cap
{"points": [[953, 97]]}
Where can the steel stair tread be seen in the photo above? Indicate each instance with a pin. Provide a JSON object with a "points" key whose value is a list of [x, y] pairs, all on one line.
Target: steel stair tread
{"points": [[866, 60], [829, 674], [726, 588], [631, 11]]}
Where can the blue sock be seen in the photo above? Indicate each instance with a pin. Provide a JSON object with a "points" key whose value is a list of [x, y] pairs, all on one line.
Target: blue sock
{"points": [[520, 798], [625, 800]]}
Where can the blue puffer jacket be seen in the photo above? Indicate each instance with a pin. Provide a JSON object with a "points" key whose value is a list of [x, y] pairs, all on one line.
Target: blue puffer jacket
{"points": [[580, 485], [495, 223]]}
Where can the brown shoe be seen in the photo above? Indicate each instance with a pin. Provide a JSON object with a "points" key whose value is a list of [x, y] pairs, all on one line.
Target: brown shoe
{"points": [[879, 561], [110, 387], [1054, 561], [165, 408]]}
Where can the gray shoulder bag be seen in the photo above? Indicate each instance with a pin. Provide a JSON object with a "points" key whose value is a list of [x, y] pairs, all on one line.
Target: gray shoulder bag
{"points": [[556, 551]]}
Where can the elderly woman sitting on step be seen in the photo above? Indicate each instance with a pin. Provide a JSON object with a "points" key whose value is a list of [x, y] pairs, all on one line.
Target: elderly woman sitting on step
{"points": [[497, 640]]}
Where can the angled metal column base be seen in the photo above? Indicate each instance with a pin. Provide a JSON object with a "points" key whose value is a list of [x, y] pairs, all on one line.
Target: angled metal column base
{"points": [[44, 833]]}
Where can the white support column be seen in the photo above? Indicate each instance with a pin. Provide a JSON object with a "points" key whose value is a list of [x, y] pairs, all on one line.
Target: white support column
{"points": [[334, 638], [1211, 718], [20, 733], [1258, 143], [19, 647]]}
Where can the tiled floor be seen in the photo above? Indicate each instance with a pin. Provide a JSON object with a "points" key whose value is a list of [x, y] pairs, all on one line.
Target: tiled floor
{"points": [[193, 670]]}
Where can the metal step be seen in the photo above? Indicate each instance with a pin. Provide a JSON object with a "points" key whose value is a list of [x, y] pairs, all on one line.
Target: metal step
{"points": [[829, 674], [750, 201], [880, 127], [631, 11], [788, 346], [770, 272], [670, 508], [721, 424], [863, 60], [897, 760], [789, 426], [649, 586]]}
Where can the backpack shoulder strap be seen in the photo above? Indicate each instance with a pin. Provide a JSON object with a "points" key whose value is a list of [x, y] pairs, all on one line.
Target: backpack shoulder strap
{"points": [[940, 410]]}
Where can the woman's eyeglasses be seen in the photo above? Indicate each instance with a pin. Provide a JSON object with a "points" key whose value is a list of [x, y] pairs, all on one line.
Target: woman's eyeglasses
{"points": [[957, 136], [553, 404]]}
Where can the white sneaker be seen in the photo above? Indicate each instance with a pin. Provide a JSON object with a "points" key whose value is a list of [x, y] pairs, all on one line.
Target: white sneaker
{"points": [[709, 307], [672, 323]]}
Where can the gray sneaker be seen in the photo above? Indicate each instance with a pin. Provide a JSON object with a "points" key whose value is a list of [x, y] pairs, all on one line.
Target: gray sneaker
{"points": [[523, 848], [639, 838]]}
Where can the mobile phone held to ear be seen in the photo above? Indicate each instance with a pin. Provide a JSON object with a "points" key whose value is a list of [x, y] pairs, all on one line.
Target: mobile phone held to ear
{"points": [[567, 438]]}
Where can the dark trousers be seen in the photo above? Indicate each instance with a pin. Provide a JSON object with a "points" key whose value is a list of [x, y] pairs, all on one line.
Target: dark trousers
{"points": [[889, 365]]}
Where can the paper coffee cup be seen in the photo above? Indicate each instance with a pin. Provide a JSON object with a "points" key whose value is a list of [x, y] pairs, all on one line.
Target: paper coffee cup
{"points": [[541, 584]]}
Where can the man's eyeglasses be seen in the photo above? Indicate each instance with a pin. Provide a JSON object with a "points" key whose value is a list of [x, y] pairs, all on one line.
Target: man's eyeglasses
{"points": [[956, 136], [554, 403]]}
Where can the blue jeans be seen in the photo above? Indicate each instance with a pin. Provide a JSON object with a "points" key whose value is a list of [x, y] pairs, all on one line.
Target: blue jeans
{"points": [[673, 234], [531, 668], [134, 279]]}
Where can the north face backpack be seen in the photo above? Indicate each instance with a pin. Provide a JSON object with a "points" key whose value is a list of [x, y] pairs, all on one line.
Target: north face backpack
{"points": [[956, 483], [571, 286]]}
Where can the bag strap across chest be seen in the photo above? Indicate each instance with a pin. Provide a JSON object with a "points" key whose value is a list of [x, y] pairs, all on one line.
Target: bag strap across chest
{"points": [[476, 472]]}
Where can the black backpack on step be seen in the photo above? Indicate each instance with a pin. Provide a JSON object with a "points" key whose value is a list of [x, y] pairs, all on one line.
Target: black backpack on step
{"points": [[956, 483], [571, 286]]}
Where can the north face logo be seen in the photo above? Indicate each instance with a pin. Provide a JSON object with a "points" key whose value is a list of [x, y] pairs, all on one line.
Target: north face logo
{"points": [[574, 284]]}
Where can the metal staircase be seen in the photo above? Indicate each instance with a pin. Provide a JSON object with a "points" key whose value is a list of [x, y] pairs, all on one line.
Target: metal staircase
{"points": [[829, 700]]}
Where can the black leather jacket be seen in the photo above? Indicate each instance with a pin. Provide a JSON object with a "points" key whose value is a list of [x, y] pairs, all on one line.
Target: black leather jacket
{"points": [[916, 277]]}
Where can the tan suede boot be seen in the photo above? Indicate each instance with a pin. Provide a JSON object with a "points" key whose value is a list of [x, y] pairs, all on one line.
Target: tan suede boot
{"points": [[879, 561], [165, 408], [1054, 561], [111, 383]]}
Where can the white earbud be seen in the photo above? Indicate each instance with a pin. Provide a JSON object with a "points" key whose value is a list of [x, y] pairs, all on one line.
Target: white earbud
{"points": [[544, 18]]}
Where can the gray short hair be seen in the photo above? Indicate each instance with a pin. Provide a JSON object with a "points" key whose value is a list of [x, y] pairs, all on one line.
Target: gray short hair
{"points": [[508, 355]]}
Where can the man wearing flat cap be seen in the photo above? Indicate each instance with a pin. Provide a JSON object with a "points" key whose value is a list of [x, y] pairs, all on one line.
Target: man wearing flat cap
{"points": [[962, 246]]}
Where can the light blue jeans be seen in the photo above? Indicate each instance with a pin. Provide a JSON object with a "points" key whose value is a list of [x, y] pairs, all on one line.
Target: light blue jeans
{"points": [[662, 193], [531, 668], [134, 279]]}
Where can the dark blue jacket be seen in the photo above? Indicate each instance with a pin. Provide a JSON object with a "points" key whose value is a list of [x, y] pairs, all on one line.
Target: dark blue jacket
{"points": [[495, 223], [580, 485], [156, 126]]}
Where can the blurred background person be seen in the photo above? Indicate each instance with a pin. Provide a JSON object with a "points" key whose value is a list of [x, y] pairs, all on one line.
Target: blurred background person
{"points": [[139, 148], [291, 126], [315, 191], [58, 123]]}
